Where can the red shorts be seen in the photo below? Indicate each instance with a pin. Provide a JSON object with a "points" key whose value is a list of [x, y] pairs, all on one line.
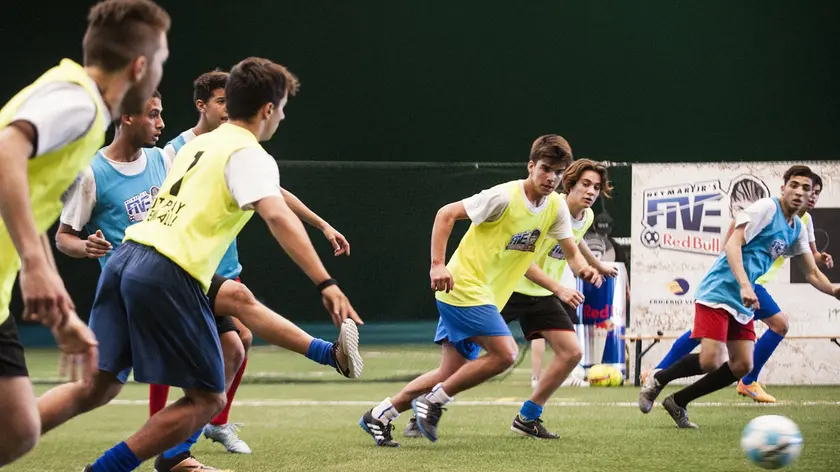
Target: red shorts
{"points": [[720, 325]]}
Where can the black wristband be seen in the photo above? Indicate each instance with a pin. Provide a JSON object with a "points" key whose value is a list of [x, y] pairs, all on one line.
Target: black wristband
{"points": [[326, 283]]}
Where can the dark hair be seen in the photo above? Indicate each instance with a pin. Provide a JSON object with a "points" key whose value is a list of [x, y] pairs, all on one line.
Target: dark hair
{"points": [[572, 175], [156, 94], [253, 83], [551, 147], [121, 30], [798, 171], [817, 180], [206, 83]]}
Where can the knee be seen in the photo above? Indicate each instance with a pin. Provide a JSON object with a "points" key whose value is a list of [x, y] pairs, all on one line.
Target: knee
{"points": [[233, 351], [20, 439], [741, 367], [780, 324], [575, 355], [506, 358], [711, 361], [247, 338], [209, 404]]}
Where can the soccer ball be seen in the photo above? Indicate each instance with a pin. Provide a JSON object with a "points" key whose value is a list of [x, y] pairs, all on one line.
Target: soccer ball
{"points": [[602, 375], [771, 441]]}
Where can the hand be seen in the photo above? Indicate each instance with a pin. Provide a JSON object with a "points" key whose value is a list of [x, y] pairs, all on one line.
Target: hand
{"points": [[608, 271], [589, 274], [96, 246], [749, 299], [44, 297], [570, 296], [441, 278], [339, 306], [78, 345], [339, 242], [827, 260]]}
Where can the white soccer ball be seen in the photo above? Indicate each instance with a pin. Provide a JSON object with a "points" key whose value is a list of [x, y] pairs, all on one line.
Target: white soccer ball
{"points": [[771, 441]]}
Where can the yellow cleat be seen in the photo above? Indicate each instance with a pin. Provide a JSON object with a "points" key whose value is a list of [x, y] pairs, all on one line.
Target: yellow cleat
{"points": [[755, 392]]}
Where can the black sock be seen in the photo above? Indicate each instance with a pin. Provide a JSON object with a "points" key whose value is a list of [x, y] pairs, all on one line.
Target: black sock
{"points": [[711, 382], [686, 367]]}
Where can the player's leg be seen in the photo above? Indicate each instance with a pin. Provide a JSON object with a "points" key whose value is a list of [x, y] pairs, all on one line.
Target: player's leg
{"points": [[483, 325], [163, 311], [377, 421], [18, 408], [740, 339], [109, 322], [778, 324], [546, 318], [681, 348], [236, 300], [710, 326], [537, 355], [233, 351]]}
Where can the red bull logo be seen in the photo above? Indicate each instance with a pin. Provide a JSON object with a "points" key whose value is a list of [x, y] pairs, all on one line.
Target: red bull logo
{"points": [[596, 315]]}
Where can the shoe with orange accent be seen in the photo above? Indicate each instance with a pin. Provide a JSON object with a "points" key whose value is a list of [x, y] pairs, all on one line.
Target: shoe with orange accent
{"points": [[755, 392], [644, 376]]}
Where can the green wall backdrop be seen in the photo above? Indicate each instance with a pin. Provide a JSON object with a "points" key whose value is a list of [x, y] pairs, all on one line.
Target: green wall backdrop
{"points": [[408, 81]]}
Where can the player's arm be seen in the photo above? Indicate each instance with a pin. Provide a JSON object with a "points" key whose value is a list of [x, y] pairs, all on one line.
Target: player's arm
{"points": [[578, 263], [338, 241], [43, 292], [605, 269], [78, 207], [569, 295], [815, 277], [729, 232], [254, 182], [441, 279], [735, 257]]}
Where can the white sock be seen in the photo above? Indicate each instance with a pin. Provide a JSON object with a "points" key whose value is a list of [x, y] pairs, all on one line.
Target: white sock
{"points": [[437, 395], [385, 411]]}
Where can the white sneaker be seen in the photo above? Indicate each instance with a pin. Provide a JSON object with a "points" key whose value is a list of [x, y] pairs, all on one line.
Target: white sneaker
{"points": [[228, 436], [572, 381]]}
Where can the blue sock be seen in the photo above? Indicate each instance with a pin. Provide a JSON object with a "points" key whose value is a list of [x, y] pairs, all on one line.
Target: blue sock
{"points": [[764, 348], [530, 411], [319, 351], [184, 446], [117, 459], [681, 348]]}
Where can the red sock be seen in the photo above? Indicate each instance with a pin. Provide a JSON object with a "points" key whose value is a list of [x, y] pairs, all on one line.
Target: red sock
{"points": [[222, 418], [158, 395]]}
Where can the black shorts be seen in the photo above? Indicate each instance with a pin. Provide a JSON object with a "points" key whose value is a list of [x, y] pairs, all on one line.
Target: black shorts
{"points": [[12, 362], [224, 324], [537, 314]]}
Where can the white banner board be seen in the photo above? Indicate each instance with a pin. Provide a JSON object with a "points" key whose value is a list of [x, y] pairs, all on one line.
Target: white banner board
{"points": [[680, 216]]}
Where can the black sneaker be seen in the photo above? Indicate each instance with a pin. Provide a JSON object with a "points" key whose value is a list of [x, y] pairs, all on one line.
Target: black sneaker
{"points": [[345, 351], [533, 428], [411, 429], [428, 416], [380, 431], [678, 414]]}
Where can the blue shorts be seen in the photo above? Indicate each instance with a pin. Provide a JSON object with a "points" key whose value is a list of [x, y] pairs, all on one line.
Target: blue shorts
{"points": [[460, 323], [151, 315], [767, 306]]}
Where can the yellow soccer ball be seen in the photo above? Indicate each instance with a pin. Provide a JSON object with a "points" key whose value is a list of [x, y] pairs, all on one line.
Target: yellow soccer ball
{"points": [[602, 375]]}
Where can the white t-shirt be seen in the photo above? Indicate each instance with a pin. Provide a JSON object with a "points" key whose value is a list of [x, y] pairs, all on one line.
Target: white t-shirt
{"points": [[60, 112], [811, 236], [758, 215], [489, 205]]}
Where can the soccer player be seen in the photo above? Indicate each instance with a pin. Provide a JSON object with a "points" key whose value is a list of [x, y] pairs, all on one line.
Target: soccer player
{"points": [[49, 132], [209, 99], [551, 314], [726, 299], [768, 312], [509, 222], [141, 321]]}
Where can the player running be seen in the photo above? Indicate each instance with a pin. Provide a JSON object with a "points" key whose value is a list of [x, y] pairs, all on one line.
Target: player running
{"points": [[726, 299], [509, 222], [768, 312], [49, 131]]}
